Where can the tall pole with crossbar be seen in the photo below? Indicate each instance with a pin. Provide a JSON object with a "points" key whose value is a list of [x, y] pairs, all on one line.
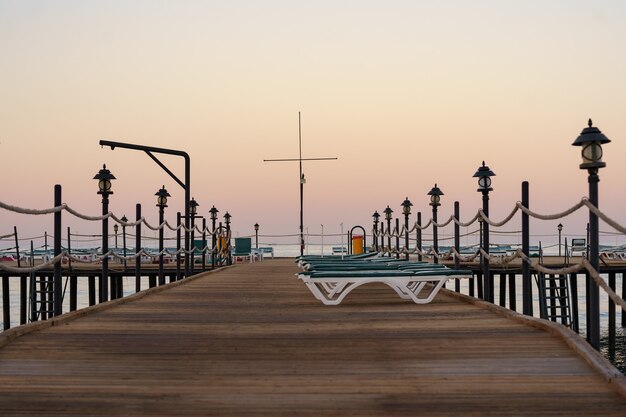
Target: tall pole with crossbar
{"points": [[301, 179]]}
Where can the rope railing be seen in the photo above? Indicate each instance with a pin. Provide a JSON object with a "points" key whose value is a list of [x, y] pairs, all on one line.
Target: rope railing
{"points": [[602, 284], [500, 223], [96, 258], [109, 215], [555, 216], [465, 258], [394, 233], [519, 206], [604, 217], [36, 212], [7, 236], [584, 264]]}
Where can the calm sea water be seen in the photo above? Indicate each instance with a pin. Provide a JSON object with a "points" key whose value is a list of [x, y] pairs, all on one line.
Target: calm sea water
{"points": [[617, 357]]}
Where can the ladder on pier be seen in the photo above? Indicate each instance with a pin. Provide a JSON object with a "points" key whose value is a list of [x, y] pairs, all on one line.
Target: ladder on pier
{"points": [[41, 297], [554, 298]]}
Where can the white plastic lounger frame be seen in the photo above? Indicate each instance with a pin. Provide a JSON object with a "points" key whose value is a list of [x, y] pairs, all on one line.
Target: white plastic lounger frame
{"points": [[332, 290]]}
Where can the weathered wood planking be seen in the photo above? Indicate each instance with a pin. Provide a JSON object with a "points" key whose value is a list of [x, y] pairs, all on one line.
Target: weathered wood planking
{"points": [[251, 340]]}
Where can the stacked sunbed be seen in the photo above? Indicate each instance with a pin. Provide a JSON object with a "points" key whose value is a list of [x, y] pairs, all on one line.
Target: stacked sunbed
{"points": [[331, 279]]}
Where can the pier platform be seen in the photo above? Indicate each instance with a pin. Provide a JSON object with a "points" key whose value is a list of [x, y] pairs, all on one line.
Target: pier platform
{"points": [[251, 340]]}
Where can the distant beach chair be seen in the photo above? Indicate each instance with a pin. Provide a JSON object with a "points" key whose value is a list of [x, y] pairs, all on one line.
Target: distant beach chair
{"points": [[266, 250], [607, 255], [243, 250], [578, 246], [339, 250]]}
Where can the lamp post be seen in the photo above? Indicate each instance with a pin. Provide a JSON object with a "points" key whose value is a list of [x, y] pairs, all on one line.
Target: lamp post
{"points": [[406, 210], [388, 212], [435, 197], [418, 235], [116, 281], [591, 140], [479, 284], [162, 195], [125, 220], [484, 175], [256, 235], [227, 217], [560, 229], [203, 244], [193, 209], [213, 213], [376, 217], [104, 178]]}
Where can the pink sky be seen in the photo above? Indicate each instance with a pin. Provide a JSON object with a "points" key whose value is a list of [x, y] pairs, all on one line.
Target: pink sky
{"points": [[406, 94]]}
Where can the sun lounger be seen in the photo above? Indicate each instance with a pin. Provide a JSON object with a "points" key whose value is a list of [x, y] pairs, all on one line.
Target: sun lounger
{"points": [[331, 287]]}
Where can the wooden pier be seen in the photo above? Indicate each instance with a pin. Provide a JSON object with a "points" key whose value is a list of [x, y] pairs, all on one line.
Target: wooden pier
{"points": [[252, 340]]}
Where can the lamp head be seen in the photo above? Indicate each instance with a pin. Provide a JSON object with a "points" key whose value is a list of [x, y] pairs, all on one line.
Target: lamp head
{"points": [[388, 211], [214, 212], [484, 175], [591, 140], [406, 206], [162, 195], [104, 178], [435, 196], [193, 207]]}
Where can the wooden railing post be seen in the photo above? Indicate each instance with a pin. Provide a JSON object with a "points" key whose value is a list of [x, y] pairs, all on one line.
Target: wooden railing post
{"points": [[58, 279], [457, 243], [138, 248], [527, 294]]}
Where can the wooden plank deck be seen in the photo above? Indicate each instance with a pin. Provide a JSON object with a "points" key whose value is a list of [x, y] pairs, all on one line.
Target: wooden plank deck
{"points": [[251, 340]]}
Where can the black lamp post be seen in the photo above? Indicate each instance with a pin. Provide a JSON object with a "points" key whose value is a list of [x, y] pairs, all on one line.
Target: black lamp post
{"points": [[376, 217], [560, 229], [104, 178], [406, 210], [435, 197], [479, 284], [227, 217], [418, 235], [591, 140], [203, 244], [125, 220], [484, 175], [213, 213], [115, 229], [162, 195], [388, 212], [256, 235], [193, 209]]}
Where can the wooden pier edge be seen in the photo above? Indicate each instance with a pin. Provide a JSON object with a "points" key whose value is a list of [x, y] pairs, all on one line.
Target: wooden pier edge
{"points": [[594, 359], [11, 334]]}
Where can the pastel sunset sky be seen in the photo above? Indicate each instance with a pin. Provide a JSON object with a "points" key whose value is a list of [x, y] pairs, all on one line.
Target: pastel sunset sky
{"points": [[405, 94]]}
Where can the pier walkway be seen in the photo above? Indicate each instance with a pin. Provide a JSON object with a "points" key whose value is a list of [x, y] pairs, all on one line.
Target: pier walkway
{"points": [[252, 340]]}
